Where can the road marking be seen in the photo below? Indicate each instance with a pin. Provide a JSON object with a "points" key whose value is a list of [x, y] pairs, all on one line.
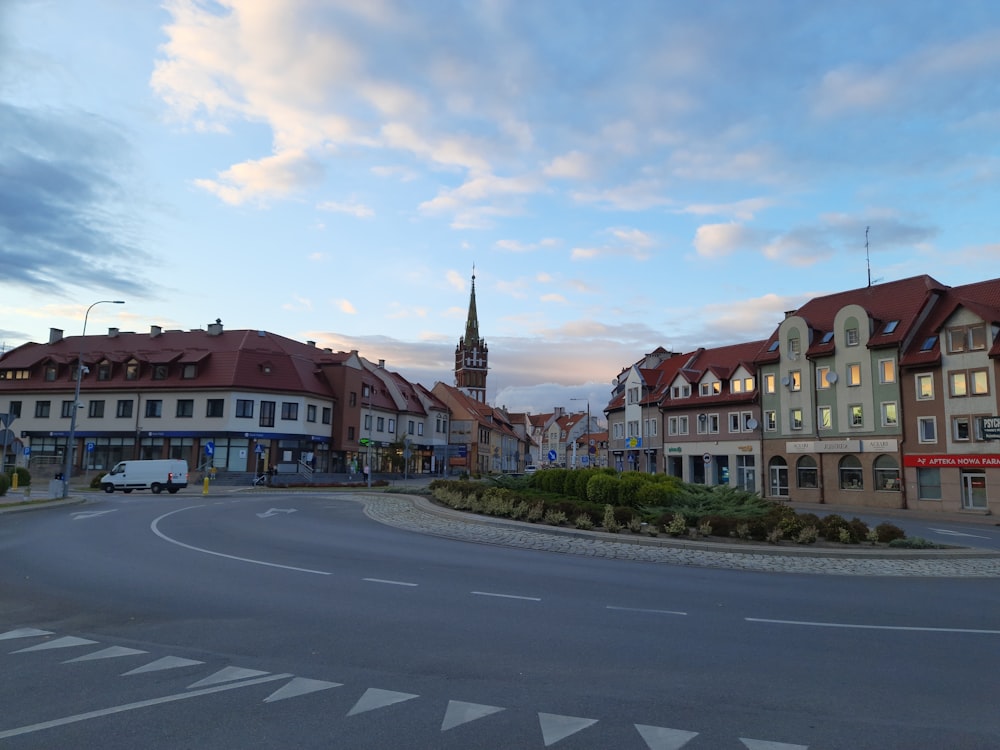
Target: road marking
{"points": [[460, 712], [391, 583], [227, 674], [154, 527], [767, 745], [377, 698], [69, 641], [275, 511], [849, 625], [664, 738], [24, 633], [112, 652], [167, 662], [138, 704], [949, 532], [507, 596], [300, 686], [556, 727], [650, 611], [80, 515]]}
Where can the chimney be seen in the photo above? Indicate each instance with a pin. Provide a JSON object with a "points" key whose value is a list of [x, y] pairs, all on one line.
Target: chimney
{"points": [[112, 333], [381, 364], [55, 335], [310, 343], [155, 331], [789, 313], [214, 329]]}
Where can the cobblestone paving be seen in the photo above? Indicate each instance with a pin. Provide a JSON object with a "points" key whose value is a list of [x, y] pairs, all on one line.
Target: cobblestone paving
{"points": [[418, 514]]}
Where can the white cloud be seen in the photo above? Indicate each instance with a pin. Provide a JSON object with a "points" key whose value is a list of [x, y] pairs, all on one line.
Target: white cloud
{"points": [[574, 165], [345, 306], [743, 210], [352, 207], [274, 176], [720, 240]]}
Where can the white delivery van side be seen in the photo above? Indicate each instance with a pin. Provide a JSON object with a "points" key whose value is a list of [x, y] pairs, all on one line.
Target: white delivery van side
{"points": [[157, 475]]}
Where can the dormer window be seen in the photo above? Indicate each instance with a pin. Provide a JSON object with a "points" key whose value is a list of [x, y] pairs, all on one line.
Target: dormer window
{"points": [[852, 337], [51, 371], [104, 370], [132, 370], [890, 326], [160, 372], [189, 371]]}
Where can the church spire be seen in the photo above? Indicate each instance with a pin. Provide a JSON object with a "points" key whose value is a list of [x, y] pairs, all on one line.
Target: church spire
{"points": [[472, 322], [471, 354]]}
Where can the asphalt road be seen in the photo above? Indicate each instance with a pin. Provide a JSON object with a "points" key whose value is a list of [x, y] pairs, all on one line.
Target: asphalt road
{"points": [[296, 621]]}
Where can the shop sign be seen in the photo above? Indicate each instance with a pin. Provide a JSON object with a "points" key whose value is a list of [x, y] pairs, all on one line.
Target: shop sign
{"points": [[952, 461]]}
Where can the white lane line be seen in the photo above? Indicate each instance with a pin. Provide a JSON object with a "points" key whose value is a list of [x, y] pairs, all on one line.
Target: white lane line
{"points": [[849, 625], [391, 583], [507, 596], [949, 532], [650, 611], [138, 704], [154, 526]]}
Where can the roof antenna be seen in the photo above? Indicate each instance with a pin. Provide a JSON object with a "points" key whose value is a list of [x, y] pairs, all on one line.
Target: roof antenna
{"points": [[868, 259]]}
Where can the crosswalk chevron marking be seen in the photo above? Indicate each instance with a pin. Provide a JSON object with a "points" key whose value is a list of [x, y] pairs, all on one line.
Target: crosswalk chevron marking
{"points": [[460, 712], [111, 652], [69, 641]]}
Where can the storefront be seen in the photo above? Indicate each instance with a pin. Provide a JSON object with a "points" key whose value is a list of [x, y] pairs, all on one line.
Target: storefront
{"points": [[949, 482]]}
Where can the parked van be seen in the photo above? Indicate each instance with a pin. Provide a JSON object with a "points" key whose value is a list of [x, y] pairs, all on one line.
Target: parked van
{"points": [[157, 475]]}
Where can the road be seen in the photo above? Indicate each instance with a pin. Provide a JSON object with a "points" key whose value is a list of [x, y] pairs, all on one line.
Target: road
{"points": [[296, 621]]}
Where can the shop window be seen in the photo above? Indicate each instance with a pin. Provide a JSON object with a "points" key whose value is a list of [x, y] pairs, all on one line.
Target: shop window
{"points": [[886, 474], [807, 473], [929, 484], [851, 474]]}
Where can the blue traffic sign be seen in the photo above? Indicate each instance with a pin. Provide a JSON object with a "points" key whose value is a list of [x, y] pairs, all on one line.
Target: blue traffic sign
{"points": [[27, 450], [90, 447], [209, 448], [259, 449], [553, 455]]}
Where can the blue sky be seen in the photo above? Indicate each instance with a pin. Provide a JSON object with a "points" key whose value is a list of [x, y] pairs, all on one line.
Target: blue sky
{"points": [[622, 175]]}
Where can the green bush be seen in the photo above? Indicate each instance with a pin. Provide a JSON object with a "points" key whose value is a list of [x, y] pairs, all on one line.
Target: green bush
{"points": [[913, 543], [23, 476], [610, 523], [602, 488], [888, 533], [4, 484]]}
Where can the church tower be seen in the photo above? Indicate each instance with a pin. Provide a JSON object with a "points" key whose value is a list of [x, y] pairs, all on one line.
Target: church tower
{"points": [[471, 355]]}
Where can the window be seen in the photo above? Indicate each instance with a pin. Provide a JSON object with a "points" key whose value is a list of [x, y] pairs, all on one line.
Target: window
{"points": [[368, 423], [289, 410], [104, 370], [96, 410], [310, 412], [706, 389], [189, 371], [769, 383], [925, 386], [958, 383], [672, 425], [851, 334], [409, 427], [267, 409], [713, 423], [50, 372], [774, 346], [795, 380], [392, 426], [132, 370], [736, 385], [929, 484], [214, 407], [185, 408], [682, 425], [770, 420], [854, 374], [154, 408], [967, 338], [124, 408], [42, 409], [794, 348], [857, 415], [633, 395], [160, 372], [748, 384], [890, 414], [795, 419], [822, 378], [67, 408], [327, 413], [650, 427], [633, 428], [380, 424], [851, 475], [980, 381], [887, 371], [244, 408], [825, 416], [960, 429], [927, 429], [807, 473], [747, 418], [734, 421], [827, 337], [350, 432], [890, 326], [928, 343], [15, 409], [886, 474]]}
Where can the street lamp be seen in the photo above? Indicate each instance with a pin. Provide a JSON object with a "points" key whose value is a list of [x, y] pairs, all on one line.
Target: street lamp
{"points": [[71, 443], [588, 431]]}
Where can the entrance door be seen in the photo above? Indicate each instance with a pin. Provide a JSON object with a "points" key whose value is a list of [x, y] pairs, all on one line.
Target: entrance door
{"points": [[779, 477], [973, 490]]}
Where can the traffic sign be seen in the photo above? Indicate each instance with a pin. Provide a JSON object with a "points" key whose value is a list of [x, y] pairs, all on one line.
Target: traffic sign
{"points": [[707, 458], [259, 449], [209, 448], [553, 455], [90, 447]]}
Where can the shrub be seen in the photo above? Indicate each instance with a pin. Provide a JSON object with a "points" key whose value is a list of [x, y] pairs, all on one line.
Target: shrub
{"points": [[23, 476], [536, 512], [678, 525], [554, 518], [584, 521], [4, 484], [775, 535], [635, 524], [888, 533], [830, 526], [610, 523], [705, 528], [808, 535], [519, 511], [913, 543], [602, 488]]}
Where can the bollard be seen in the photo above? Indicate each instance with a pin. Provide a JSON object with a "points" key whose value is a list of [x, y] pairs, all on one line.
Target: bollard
{"points": [[13, 480], [204, 486]]}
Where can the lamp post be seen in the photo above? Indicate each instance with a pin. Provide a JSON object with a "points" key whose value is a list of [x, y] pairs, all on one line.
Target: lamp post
{"points": [[71, 443], [587, 444]]}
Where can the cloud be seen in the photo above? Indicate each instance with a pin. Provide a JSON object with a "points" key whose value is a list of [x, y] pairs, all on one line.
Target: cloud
{"points": [[274, 176], [345, 306], [572, 166], [743, 210], [516, 246], [352, 207], [63, 183], [455, 280], [720, 240], [628, 242]]}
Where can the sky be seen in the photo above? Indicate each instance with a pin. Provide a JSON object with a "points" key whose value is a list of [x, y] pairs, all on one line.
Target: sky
{"points": [[619, 176]]}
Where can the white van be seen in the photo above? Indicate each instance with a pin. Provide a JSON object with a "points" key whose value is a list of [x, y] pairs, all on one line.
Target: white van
{"points": [[157, 475]]}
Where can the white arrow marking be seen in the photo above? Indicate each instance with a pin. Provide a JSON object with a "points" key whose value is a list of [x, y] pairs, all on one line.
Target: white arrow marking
{"points": [[376, 698], [112, 652], [23, 633], [766, 745], [460, 712], [556, 727], [68, 642], [275, 511], [80, 515], [227, 674], [949, 532], [167, 662], [662, 738], [300, 686]]}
